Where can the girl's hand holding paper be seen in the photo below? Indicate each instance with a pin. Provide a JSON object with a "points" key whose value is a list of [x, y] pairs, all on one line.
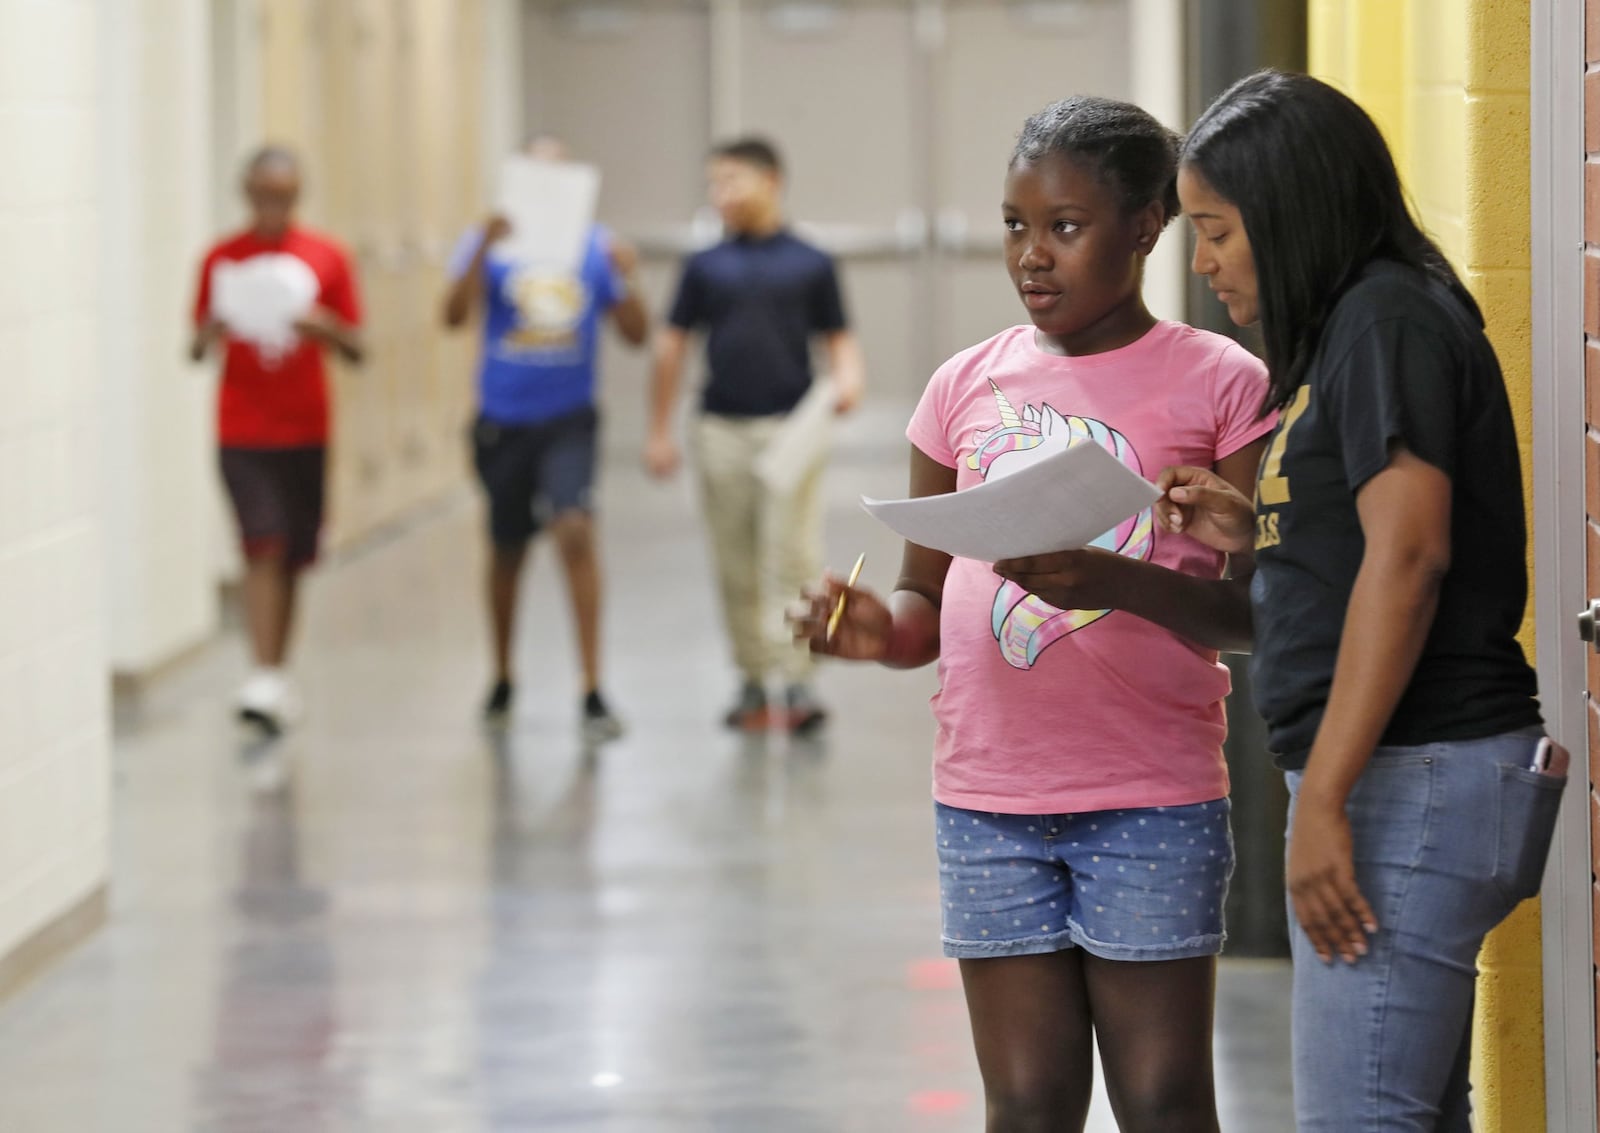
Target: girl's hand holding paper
{"points": [[1073, 580]]}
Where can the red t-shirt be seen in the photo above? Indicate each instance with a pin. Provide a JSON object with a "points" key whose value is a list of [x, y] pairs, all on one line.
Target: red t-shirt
{"points": [[279, 399]]}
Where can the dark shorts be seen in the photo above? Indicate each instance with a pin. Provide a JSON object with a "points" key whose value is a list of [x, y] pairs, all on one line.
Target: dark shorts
{"points": [[533, 473], [278, 499]]}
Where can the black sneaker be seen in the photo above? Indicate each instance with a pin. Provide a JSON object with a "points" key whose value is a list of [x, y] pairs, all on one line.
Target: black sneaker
{"points": [[600, 724], [806, 715], [498, 707], [749, 712]]}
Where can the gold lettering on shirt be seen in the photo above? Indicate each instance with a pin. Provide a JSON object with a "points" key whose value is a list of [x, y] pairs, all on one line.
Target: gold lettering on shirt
{"points": [[1267, 531], [1273, 486]]}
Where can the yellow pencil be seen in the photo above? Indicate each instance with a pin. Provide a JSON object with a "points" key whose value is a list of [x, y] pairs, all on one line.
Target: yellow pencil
{"points": [[838, 609]]}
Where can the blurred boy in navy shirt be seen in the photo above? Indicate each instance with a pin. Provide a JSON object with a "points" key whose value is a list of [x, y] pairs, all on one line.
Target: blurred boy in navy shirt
{"points": [[760, 296]]}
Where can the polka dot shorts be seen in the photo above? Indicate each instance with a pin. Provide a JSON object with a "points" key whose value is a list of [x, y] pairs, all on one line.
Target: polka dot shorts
{"points": [[1142, 884]]}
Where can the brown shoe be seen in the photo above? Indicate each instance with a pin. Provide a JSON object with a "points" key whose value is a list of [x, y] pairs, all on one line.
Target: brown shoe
{"points": [[749, 712], [804, 714]]}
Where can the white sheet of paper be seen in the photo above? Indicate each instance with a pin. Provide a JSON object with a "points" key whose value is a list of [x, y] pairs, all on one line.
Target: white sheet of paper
{"points": [[1060, 503], [551, 207], [802, 442], [260, 299]]}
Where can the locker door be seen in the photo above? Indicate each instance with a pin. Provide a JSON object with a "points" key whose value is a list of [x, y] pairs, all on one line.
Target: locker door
{"points": [[340, 191], [291, 78], [430, 441], [369, 54], [414, 91], [461, 149]]}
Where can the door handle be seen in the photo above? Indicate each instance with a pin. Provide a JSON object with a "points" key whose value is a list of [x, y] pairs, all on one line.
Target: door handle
{"points": [[1589, 624]]}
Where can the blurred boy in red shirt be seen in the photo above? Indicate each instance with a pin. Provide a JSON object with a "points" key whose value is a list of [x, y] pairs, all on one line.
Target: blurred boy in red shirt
{"points": [[273, 408]]}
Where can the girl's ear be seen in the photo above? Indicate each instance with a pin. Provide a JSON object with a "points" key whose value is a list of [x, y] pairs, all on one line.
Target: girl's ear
{"points": [[1148, 224]]}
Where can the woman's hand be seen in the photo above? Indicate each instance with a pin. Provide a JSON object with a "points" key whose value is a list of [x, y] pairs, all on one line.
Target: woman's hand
{"points": [[1321, 880], [864, 631], [1202, 505], [1090, 579]]}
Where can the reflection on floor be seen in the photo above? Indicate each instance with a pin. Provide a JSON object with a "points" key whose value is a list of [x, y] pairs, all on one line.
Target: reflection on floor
{"points": [[388, 922]]}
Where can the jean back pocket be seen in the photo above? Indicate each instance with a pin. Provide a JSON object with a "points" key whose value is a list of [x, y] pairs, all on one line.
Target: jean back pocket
{"points": [[1527, 804]]}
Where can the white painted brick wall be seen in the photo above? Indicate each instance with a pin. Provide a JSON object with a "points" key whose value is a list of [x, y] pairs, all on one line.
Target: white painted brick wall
{"points": [[54, 771], [159, 471]]}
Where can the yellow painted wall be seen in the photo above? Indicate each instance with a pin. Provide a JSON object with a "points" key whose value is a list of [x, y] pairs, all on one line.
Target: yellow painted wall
{"points": [[1447, 80]]}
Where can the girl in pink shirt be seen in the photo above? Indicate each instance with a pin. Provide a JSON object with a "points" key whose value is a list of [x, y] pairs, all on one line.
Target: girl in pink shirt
{"points": [[1079, 782]]}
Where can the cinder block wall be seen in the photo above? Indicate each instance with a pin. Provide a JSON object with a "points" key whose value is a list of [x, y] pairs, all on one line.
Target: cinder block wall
{"points": [[158, 478], [53, 737], [1447, 81]]}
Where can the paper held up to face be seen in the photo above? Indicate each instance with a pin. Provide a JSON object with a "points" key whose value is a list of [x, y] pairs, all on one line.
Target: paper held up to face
{"points": [[550, 205], [260, 299], [1066, 501]]}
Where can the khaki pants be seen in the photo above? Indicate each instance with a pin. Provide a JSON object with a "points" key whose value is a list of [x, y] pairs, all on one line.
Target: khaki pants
{"points": [[766, 549]]}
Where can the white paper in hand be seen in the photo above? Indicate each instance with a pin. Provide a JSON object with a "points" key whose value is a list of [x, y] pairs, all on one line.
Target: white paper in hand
{"points": [[550, 205], [802, 443], [1063, 502], [260, 299]]}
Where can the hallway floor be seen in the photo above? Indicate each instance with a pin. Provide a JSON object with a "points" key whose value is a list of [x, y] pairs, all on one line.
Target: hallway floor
{"points": [[389, 921]]}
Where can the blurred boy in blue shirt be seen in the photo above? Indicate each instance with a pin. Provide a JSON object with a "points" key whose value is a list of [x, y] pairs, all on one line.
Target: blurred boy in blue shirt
{"points": [[535, 438]]}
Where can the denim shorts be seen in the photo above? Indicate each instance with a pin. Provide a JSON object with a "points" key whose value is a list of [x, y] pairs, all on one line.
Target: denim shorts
{"points": [[1140, 884]]}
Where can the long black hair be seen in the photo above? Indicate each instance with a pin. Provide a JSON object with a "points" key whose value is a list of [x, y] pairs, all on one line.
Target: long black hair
{"points": [[1320, 198], [1120, 143]]}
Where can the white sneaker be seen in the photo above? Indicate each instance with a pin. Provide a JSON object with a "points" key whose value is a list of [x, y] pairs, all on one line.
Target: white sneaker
{"points": [[268, 701], [600, 724]]}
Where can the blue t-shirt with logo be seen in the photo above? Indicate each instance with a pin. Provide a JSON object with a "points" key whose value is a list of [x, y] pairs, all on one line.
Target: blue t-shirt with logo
{"points": [[541, 332]]}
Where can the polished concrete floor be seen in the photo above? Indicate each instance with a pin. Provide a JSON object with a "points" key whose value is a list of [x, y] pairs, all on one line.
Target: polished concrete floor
{"points": [[389, 921]]}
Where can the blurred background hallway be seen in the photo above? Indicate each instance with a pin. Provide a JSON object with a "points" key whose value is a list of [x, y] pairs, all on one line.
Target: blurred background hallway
{"points": [[391, 921]]}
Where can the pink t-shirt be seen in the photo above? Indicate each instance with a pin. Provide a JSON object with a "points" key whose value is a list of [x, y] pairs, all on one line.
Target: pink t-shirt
{"points": [[1044, 711]]}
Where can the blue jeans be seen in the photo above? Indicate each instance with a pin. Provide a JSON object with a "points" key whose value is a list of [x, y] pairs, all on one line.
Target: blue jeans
{"points": [[1449, 838]]}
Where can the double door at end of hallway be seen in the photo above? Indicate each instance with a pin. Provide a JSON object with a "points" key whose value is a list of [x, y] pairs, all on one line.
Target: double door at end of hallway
{"points": [[895, 122]]}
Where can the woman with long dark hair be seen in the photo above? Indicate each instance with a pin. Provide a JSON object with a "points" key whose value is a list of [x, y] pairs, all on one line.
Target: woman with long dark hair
{"points": [[1389, 585]]}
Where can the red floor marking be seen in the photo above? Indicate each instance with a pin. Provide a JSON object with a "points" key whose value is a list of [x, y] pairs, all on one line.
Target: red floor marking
{"points": [[938, 1101], [933, 975]]}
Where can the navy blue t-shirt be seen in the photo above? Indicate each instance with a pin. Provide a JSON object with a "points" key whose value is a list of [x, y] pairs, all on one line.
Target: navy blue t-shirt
{"points": [[759, 300], [1402, 361]]}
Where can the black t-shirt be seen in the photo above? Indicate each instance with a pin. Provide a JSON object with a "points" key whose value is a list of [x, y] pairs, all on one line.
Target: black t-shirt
{"points": [[760, 301], [1401, 362]]}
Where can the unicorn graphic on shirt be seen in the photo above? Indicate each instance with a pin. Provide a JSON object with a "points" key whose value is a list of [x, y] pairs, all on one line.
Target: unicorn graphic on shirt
{"points": [[1024, 624]]}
